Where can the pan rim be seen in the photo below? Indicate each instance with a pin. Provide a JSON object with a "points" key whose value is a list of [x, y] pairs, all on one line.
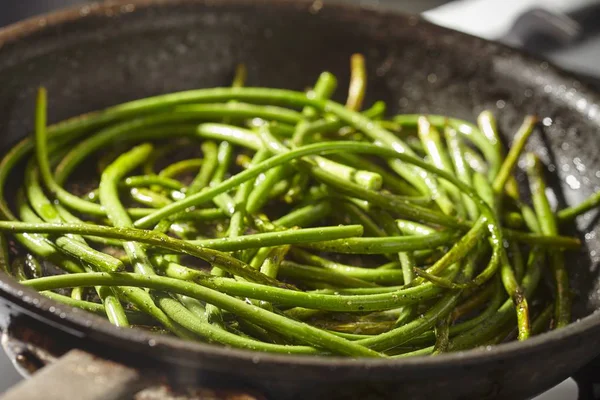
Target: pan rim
{"points": [[73, 320]]}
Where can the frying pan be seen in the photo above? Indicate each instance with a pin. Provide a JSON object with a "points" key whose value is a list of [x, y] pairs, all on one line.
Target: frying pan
{"points": [[100, 55]]}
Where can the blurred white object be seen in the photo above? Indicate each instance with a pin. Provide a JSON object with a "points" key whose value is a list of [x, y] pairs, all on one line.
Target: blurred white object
{"points": [[567, 390], [495, 20], [492, 19]]}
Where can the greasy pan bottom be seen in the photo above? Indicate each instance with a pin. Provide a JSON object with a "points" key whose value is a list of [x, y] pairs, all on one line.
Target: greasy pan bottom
{"points": [[97, 56]]}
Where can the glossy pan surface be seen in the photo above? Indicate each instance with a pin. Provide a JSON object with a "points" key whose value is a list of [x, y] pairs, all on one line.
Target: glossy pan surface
{"points": [[101, 55]]}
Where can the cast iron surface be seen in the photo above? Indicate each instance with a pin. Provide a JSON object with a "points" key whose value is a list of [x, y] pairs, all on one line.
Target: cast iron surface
{"points": [[101, 55]]}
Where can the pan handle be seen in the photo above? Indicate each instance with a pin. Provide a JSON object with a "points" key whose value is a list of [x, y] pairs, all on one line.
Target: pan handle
{"points": [[80, 375]]}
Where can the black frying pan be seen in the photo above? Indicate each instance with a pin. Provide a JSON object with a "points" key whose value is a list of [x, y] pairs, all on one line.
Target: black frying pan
{"points": [[105, 54]]}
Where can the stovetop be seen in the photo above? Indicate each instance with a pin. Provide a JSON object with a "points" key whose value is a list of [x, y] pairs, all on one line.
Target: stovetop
{"points": [[565, 32]]}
